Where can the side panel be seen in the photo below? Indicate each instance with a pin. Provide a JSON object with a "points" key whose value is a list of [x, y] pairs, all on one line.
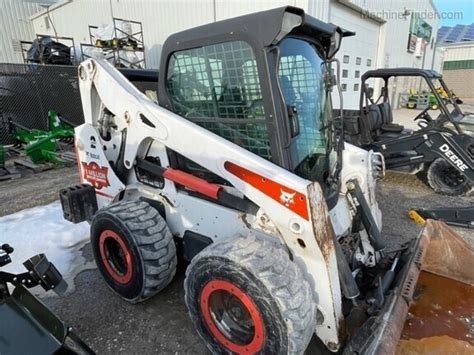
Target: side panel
{"points": [[93, 165], [188, 213]]}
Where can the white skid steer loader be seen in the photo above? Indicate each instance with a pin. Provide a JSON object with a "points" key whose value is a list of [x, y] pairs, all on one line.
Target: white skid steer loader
{"points": [[241, 168]]}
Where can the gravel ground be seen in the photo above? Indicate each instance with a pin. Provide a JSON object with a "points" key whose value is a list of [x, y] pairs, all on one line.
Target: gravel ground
{"points": [[161, 325], [35, 189], [398, 192]]}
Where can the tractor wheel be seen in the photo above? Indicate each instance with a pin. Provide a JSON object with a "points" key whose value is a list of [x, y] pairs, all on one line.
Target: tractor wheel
{"points": [[133, 249], [446, 180], [245, 295]]}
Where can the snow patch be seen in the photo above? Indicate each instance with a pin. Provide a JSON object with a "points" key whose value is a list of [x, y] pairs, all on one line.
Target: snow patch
{"points": [[43, 229]]}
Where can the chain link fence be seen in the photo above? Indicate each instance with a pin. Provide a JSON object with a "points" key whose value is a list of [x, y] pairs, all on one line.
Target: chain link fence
{"points": [[28, 92]]}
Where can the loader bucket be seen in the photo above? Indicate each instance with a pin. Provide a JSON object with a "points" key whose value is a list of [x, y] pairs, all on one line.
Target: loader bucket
{"points": [[441, 316], [448, 254]]}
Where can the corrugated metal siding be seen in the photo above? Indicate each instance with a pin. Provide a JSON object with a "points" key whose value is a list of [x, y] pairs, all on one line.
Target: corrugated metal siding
{"points": [[226, 9], [439, 59], [361, 51], [160, 18], [319, 9], [465, 52], [15, 26], [73, 18]]}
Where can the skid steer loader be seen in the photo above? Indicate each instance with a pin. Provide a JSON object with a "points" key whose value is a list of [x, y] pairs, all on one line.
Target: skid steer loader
{"points": [[242, 170]]}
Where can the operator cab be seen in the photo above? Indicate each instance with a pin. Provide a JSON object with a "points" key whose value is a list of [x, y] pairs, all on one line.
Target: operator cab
{"points": [[376, 113], [262, 82]]}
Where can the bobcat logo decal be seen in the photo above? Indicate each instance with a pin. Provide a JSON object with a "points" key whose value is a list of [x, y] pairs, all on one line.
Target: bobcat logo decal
{"points": [[287, 198]]}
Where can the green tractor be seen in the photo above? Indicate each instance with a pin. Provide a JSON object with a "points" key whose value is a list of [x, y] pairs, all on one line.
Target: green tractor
{"points": [[422, 100]]}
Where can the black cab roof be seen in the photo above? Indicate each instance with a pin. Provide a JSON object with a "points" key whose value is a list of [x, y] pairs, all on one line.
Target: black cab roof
{"points": [[262, 28], [386, 73]]}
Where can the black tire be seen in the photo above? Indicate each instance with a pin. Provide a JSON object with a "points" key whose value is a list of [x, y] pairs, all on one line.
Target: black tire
{"points": [[280, 298], [447, 180], [133, 249]]}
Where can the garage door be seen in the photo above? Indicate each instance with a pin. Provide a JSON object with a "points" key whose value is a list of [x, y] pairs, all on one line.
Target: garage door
{"points": [[357, 54]]}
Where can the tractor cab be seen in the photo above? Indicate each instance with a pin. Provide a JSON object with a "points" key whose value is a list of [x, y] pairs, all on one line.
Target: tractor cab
{"points": [[261, 81]]}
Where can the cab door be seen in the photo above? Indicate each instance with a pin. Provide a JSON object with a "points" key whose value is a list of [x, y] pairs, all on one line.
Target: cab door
{"points": [[218, 87]]}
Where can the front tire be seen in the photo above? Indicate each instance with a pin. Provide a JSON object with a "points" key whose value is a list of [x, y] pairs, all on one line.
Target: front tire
{"points": [[447, 180], [245, 295], [133, 249]]}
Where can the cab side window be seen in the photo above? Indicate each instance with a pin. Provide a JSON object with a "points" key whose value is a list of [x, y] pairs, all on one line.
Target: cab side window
{"points": [[218, 88]]}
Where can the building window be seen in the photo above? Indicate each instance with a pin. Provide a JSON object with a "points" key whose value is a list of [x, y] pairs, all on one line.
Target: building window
{"points": [[358, 60], [357, 74], [356, 87], [345, 59], [369, 62], [345, 73], [344, 87], [214, 86]]}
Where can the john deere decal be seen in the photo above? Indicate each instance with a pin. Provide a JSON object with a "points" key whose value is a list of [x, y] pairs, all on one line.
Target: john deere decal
{"points": [[96, 175]]}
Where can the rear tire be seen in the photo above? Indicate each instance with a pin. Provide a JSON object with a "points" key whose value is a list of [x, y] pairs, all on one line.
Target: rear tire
{"points": [[446, 180], [245, 295], [133, 249]]}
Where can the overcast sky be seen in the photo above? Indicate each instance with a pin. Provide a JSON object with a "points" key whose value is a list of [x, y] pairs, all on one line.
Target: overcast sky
{"points": [[448, 8]]}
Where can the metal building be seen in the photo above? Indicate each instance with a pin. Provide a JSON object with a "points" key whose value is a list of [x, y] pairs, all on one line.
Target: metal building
{"points": [[159, 18], [458, 68], [388, 33], [15, 26]]}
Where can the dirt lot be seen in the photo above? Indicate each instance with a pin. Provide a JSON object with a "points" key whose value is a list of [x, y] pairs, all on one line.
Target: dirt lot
{"points": [[161, 325], [34, 189]]}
